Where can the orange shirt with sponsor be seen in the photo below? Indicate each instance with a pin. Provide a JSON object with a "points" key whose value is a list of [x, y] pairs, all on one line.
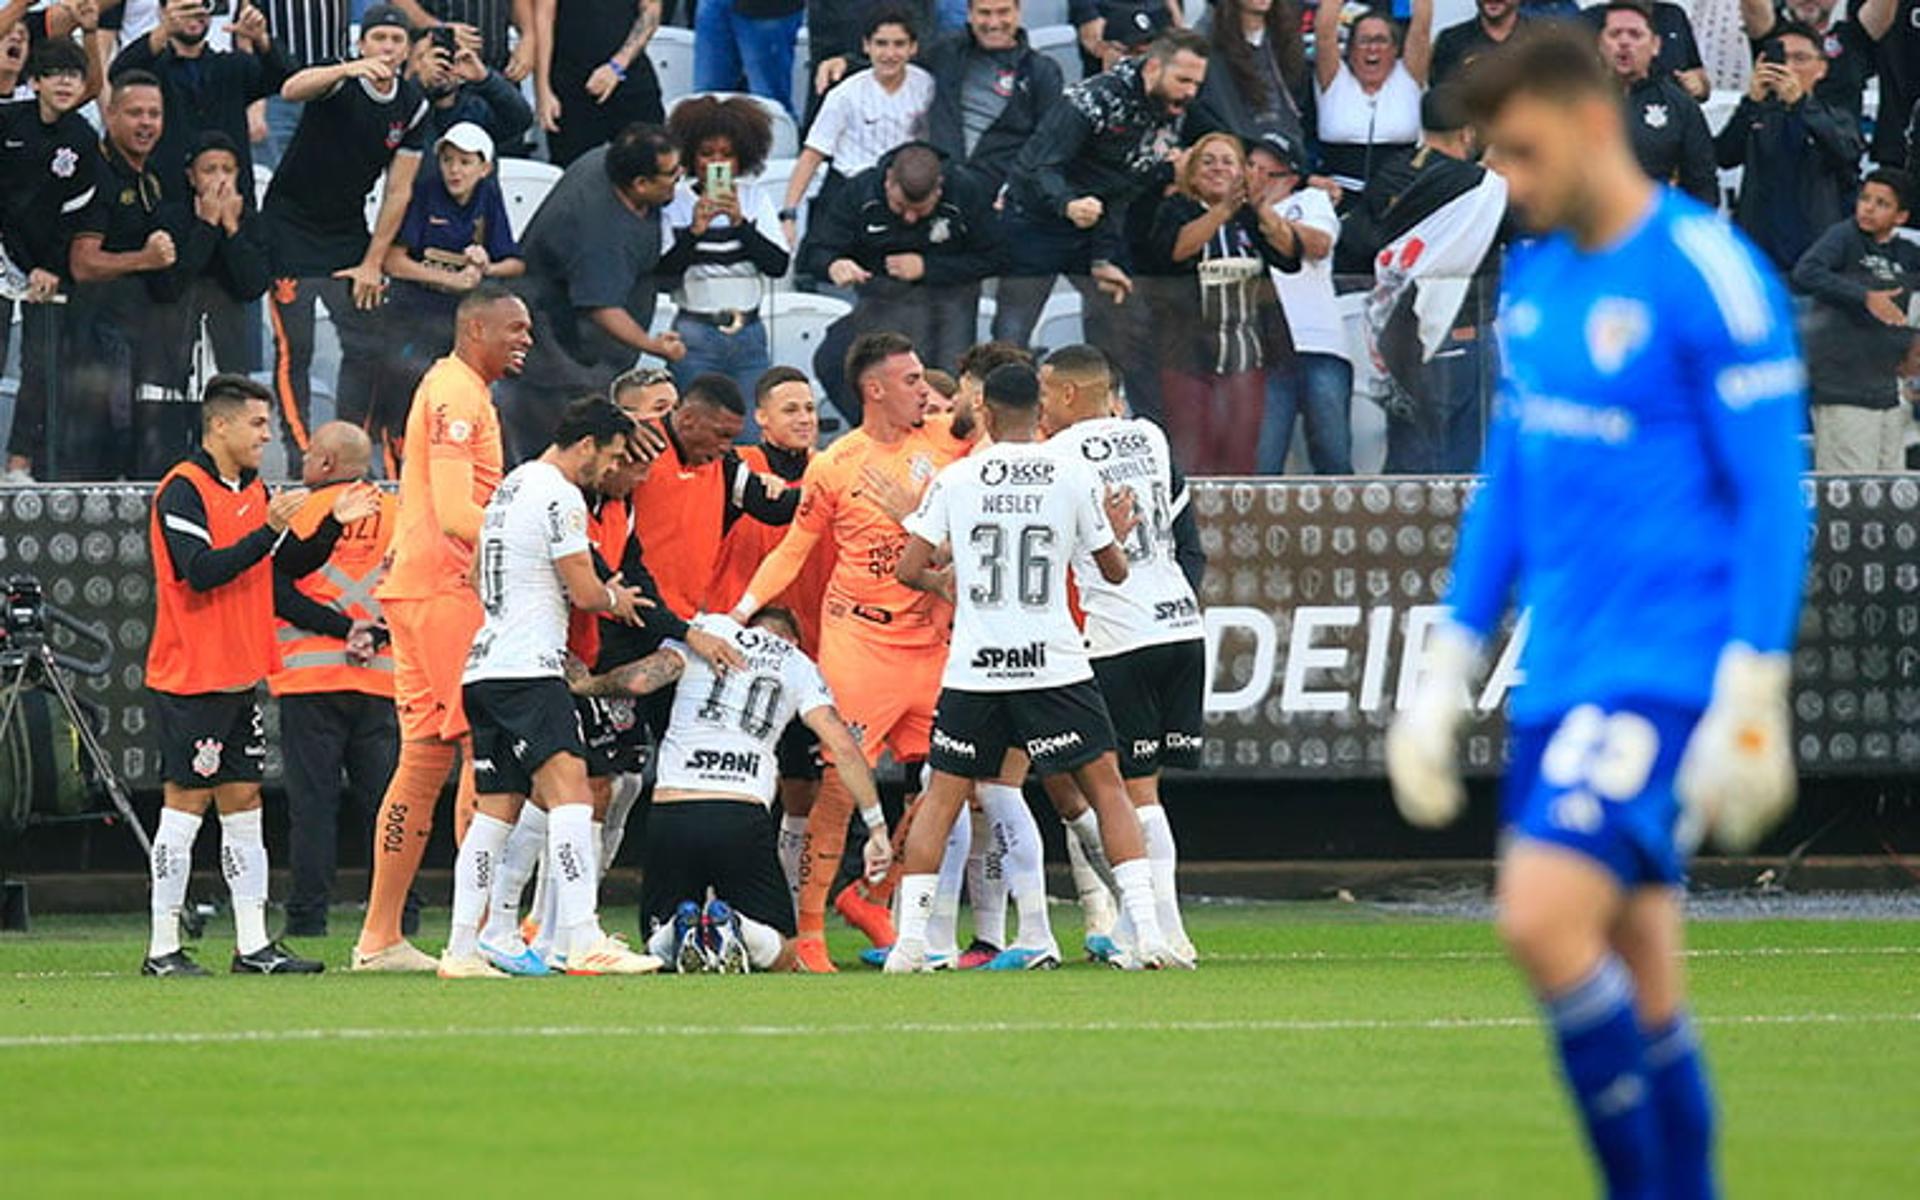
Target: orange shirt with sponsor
{"points": [[867, 543], [313, 662], [452, 418], [748, 543], [678, 512]]}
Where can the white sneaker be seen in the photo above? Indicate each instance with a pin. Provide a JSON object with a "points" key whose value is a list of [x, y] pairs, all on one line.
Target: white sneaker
{"points": [[1148, 956], [403, 957], [468, 967], [18, 476], [1184, 951], [611, 956], [905, 959]]}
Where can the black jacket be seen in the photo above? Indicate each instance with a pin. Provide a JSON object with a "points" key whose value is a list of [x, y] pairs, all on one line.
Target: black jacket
{"points": [[211, 91], [1670, 137], [960, 241], [1852, 358], [1036, 89], [1108, 139], [1801, 165]]}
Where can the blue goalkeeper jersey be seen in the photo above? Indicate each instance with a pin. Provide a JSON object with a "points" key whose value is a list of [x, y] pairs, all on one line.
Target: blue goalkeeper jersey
{"points": [[1642, 492]]}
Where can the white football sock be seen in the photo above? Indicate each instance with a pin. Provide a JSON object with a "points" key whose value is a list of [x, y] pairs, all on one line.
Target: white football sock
{"points": [[1024, 865], [172, 862], [243, 860], [626, 793], [1097, 909], [572, 855], [793, 839], [473, 878], [525, 845], [916, 907], [1135, 877], [943, 923], [764, 942], [1162, 860], [987, 882], [660, 944]]}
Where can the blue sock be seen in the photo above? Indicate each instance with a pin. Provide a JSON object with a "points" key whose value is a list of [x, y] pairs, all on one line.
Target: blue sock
{"points": [[1683, 1108], [1602, 1052]]}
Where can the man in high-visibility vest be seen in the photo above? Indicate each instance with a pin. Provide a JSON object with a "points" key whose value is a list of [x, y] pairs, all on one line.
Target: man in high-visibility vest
{"points": [[335, 682]]}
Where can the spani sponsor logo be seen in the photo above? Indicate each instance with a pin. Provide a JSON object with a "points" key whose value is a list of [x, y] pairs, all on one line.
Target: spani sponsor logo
{"points": [[724, 762], [992, 659]]}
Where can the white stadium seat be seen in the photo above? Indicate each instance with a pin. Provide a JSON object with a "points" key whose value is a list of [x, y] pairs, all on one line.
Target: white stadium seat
{"points": [[802, 71], [525, 183], [262, 176], [796, 321], [786, 134], [1061, 43], [671, 53], [1059, 323]]}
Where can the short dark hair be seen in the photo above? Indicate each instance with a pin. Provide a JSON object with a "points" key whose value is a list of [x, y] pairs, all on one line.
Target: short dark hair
{"points": [[915, 170], [636, 151], [714, 390], [227, 394], [747, 127], [1442, 111], [208, 142], [483, 295], [134, 77], [1171, 42], [1799, 29], [888, 14], [1082, 359], [869, 350], [1013, 386], [773, 377], [1550, 60], [981, 358], [1898, 182], [52, 55], [773, 614], [593, 417], [1637, 7]]}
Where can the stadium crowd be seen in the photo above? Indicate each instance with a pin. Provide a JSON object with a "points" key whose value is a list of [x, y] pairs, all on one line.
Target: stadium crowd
{"points": [[1242, 219], [1222, 196]]}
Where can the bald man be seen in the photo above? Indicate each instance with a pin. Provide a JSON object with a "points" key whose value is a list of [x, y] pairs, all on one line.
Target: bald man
{"points": [[335, 683]]}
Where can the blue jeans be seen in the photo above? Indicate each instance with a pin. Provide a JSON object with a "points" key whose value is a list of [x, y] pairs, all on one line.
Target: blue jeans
{"points": [[741, 357], [282, 117], [1441, 435], [726, 46], [1319, 389]]}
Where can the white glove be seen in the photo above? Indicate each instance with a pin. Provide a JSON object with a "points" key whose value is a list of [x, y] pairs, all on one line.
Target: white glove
{"points": [[1736, 778], [1423, 761]]}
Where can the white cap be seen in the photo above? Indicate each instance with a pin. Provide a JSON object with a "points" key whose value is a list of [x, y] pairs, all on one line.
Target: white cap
{"points": [[469, 137]]}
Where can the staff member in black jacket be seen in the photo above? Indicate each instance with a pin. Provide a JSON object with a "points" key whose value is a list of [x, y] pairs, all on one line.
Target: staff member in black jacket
{"points": [[1112, 139], [1801, 155], [914, 238], [990, 89], [1669, 132]]}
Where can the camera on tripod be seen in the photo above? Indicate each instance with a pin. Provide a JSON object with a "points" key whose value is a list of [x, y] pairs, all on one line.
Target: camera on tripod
{"points": [[23, 615]]}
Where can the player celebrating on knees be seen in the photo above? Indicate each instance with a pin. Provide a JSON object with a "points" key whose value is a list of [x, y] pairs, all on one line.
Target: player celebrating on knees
{"points": [[1145, 635], [881, 643], [708, 827], [1642, 501], [1017, 675], [451, 468], [534, 560]]}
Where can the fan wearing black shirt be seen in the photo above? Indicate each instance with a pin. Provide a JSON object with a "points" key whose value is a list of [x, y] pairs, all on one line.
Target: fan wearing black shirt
{"points": [[591, 76], [46, 154], [1895, 26], [362, 118], [1849, 49]]}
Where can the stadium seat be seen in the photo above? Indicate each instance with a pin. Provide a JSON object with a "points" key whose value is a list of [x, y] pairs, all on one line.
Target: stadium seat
{"points": [[525, 183], [1060, 323], [262, 176], [1062, 44], [786, 134], [796, 321], [1036, 14], [775, 176], [802, 71], [671, 53]]}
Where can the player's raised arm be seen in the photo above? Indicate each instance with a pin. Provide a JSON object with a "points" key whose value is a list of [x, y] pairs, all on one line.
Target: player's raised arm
{"points": [[843, 750], [789, 558]]}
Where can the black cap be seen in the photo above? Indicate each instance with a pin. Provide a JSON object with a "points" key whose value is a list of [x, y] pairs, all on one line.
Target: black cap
{"points": [[1277, 144], [1134, 22], [209, 140], [385, 14]]}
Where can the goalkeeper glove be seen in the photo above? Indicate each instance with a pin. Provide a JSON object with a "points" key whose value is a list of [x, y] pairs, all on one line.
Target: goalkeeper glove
{"points": [[1423, 762], [1736, 778]]}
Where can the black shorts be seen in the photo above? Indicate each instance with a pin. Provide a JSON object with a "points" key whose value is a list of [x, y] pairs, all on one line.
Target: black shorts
{"points": [[1060, 728], [615, 739], [1156, 695], [798, 753], [726, 845], [518, 724], [210, 738]]}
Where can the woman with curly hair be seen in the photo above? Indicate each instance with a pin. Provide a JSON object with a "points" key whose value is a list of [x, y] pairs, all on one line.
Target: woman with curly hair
{"points": [[724, 237]]}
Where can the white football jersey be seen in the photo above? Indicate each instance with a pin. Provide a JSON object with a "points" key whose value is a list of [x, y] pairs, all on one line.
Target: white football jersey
{"points": [[1155, 604], [1017, 514], [536, 517], [724, 728]]}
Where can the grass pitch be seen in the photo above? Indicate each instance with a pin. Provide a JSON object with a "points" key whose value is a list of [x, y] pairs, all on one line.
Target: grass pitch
{"points": [[1319, 1051]]}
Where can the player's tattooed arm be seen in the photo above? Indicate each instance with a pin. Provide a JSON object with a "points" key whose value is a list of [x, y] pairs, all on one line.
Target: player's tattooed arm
{"points": [[640, 678], [917, 569]]}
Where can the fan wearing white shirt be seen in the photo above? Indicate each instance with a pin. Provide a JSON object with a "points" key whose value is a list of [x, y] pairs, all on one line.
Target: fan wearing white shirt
{"points": [[866, 115], [1317, 387]]}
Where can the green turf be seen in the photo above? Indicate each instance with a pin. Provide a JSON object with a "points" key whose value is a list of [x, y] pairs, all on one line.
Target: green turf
{"points": [[1312, 1055]]}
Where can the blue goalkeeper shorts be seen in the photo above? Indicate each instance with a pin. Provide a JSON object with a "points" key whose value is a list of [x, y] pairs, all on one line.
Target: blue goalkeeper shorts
{"points": [[1599, 781]]}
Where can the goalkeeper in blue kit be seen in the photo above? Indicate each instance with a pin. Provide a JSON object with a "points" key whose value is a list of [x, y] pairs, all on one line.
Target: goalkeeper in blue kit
{"points": [[1642, 501]]}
